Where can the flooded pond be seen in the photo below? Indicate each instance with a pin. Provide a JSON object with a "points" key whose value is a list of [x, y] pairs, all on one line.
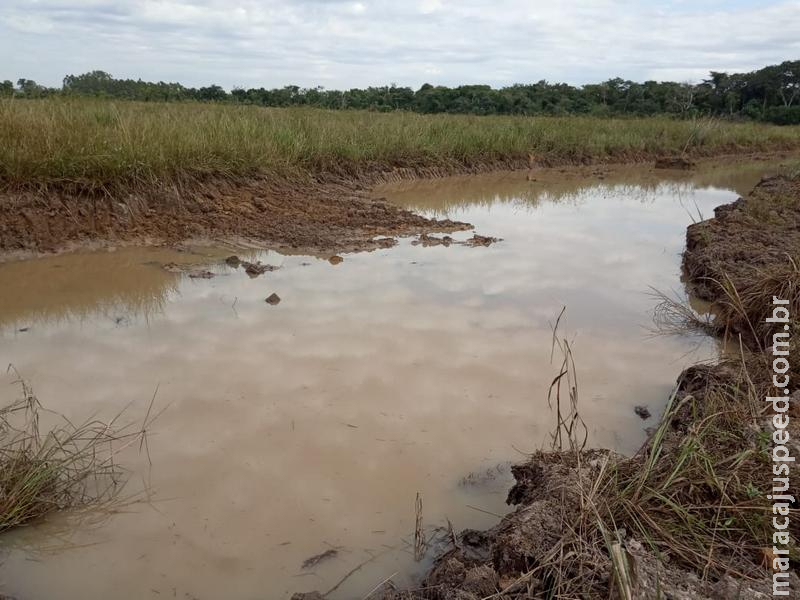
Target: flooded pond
{"points": [[309, 425]]}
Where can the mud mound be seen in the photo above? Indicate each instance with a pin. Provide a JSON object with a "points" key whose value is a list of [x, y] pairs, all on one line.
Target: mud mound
{"points": [[509, 560], [755, 232], [311, 217], [748, 253]]}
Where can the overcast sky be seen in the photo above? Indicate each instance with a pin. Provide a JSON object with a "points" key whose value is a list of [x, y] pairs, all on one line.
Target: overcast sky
{"points": [[342, 44]]}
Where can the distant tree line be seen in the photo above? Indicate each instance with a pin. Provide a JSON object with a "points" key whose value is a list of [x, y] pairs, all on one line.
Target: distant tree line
{"points": [[770, 94]]}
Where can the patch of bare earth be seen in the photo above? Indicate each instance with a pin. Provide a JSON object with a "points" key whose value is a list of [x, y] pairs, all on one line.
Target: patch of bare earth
{"points": [[753, 233], [313, 217]]}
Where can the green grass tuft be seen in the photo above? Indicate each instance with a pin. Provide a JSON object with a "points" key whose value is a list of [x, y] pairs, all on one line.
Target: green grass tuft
{"points": [[69, 466]]}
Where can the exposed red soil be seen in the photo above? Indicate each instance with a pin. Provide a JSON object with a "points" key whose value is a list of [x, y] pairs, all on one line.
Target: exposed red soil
{"points": [[308, 217], [331, 213]]}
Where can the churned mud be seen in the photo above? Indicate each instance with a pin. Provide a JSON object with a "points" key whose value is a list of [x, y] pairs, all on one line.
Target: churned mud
{"points": [[595, 524], [310, 218], [327, 214]]}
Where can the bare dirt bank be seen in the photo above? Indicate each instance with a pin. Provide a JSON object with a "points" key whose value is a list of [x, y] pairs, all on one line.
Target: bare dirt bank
{"points": [[332, 212], [686, 517], [756, 232], [311, 217]]}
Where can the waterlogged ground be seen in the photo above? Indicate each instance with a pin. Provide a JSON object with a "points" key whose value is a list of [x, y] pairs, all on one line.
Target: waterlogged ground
{"points": [[310, 425]]}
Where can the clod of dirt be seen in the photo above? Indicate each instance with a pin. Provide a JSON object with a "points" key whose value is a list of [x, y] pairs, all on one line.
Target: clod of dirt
{"points": [[273, 299], [642, 412], [233, 261], [425, 240], [313, 561], [674, 162], [255, 269], [335, 260], [201, 274], [481, 240], [431, 240]]}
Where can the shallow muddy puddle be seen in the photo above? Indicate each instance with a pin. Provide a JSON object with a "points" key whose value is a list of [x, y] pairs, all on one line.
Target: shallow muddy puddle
{"points": [[310, 425]]}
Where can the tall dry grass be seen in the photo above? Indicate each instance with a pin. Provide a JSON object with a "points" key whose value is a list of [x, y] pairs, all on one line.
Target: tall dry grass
{"points": [[101, 143], [695, 495], [739, 313]]}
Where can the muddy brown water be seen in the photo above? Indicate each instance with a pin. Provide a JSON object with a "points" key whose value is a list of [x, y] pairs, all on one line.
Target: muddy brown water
{"points": [[310, 425]]}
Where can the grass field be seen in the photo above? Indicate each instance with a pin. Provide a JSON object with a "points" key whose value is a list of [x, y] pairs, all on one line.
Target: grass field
{"points": [[104, 143]]}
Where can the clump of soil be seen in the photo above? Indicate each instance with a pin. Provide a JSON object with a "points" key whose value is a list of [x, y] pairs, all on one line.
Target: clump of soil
{"points": [[292, 217], [482, 240], [257, 268], [426, 241]]}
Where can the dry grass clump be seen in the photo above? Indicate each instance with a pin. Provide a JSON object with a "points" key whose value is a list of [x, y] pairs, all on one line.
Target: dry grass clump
{"points": [[742, 259], [69, 466], [740, 310], [693, 499], [744, 308], [696, 491]]}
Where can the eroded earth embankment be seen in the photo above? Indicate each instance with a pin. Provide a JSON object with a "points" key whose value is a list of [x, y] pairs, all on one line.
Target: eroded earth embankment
{"points": [[327, 212], [687, 516], [292, 218]]}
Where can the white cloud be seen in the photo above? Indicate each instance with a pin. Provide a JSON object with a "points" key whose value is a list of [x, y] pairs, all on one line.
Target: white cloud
{"points": [[357, 8], [341, 43], [430, 6]]}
